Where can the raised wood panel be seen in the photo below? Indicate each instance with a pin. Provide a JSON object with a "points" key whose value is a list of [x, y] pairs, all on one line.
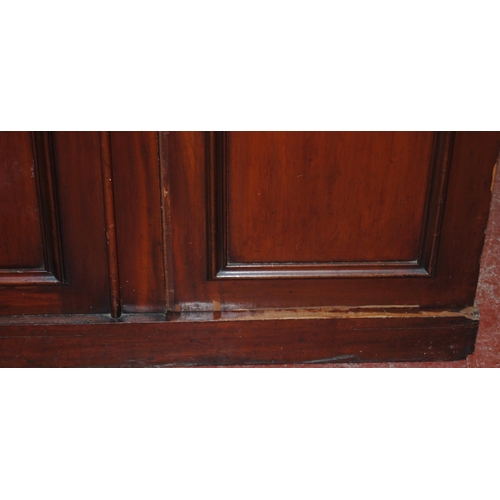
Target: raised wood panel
{"points": [[65, 182], [337, 204], [457, 190], [21, 242], [30, 247]]}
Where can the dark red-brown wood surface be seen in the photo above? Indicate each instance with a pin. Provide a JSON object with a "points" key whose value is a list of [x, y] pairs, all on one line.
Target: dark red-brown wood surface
{"points": [[152, 341], [326, 196], [78, 200], [203, 281], [376, 235], [21, 243], [136, 181]]}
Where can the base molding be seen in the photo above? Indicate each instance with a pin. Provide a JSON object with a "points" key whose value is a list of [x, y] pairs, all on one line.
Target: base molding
{"points": [[229, 339]]}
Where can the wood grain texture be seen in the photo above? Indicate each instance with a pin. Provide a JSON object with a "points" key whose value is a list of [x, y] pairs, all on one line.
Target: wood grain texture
{"points": [[20, 219], [30, 247], [75, 218], [326, 196], [464, 174], [134, 222], [357, 185], [139, 229], [166, 209], [152, 341]]}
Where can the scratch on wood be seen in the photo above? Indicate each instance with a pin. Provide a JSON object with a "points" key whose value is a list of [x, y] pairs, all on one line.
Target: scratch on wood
{"points": [[344, 357]]}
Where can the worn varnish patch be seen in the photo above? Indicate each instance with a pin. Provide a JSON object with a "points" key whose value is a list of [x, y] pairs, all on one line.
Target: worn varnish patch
{"points": [[378, 312]]}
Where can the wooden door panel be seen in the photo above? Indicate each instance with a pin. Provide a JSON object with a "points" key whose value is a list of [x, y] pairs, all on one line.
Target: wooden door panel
{"points": [[30, 244], [53, 249], [335, 203], [381, 218], [21, 244], [326, 196]]}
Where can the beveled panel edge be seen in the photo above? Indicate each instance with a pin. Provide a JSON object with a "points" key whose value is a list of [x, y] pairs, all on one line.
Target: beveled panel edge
{"points": [[435, 201], [333, 270], [217, 144], [216, 155], [27, 277], [47, 201]]}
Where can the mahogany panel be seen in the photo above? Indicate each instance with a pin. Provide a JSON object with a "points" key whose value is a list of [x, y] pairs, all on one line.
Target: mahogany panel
{"points": [[326, 196], [21, 244], [452, 263], [370, 205], [74, 241], [28, 211]]}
